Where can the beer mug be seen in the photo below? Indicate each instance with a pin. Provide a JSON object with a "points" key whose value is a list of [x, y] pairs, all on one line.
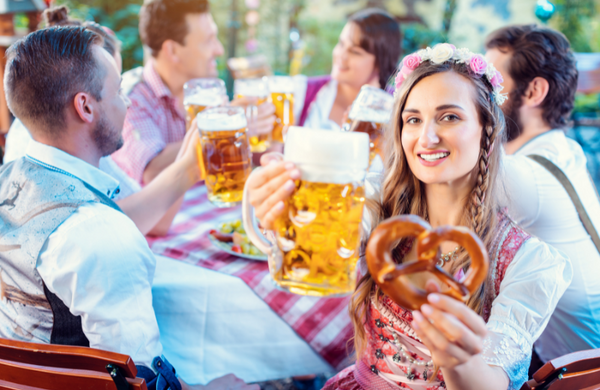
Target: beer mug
{"points": [[198, 94], [225, 153], [257, 88], [282, 96], [370, 112], [315, 244]]}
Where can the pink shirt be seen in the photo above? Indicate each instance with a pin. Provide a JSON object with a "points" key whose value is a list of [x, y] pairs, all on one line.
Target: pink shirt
{"points": [[153, 121]]}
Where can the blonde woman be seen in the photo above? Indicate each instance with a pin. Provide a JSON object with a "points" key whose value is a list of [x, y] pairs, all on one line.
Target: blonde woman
{"points": [[444, 165]]}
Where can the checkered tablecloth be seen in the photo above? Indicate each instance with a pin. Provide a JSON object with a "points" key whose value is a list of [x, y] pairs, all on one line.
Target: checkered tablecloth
{"points": [[323, 323]]}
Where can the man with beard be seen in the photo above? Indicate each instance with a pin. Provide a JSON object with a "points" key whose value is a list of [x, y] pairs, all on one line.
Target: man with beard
{"points": [[74, 270], [540, 78]]}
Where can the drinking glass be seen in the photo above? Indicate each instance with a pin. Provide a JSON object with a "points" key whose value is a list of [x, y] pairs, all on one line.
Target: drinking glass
{"points": [[315, 244]]}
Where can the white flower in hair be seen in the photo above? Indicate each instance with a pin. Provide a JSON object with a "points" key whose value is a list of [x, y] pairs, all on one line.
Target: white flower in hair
{"points": [[462, 55], [500, 98], [490, 72], [425, 54], [441, 53]]}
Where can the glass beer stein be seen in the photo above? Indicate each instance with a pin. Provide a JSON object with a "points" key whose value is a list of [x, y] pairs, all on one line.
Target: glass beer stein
{"points": [[370, 112], [225, 153], [256, 88], [198, 94], [314, 247], [282, 96]]}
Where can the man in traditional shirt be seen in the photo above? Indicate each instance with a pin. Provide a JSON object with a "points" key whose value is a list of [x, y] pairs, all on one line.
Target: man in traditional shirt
{"points": [[540, 78], [181, 36], [74, 269]]}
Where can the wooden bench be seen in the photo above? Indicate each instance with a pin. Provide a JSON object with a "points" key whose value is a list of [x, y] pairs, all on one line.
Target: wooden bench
{"points": [[575, 371], [30, 366]]}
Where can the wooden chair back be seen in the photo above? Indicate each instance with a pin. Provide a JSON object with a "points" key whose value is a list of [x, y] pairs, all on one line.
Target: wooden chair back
{"points": [[575, 371], [30, 366]]}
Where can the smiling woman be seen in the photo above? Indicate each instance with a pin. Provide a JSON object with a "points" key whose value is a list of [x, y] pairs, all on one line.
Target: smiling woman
{"points": [[366, 54]]}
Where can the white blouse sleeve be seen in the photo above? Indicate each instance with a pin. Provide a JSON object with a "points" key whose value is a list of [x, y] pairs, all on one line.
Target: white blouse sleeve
{"points": [[534, 282]]}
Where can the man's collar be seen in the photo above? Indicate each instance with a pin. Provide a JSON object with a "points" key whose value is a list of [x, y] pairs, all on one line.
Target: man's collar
{"points": [[154, 81], [55, 159], [554, 137]]}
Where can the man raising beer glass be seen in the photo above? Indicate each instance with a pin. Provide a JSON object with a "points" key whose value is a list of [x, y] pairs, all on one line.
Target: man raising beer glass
{"points": [[182, 39]]}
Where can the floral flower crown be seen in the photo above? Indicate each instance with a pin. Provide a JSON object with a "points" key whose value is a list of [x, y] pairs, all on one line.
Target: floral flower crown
{"points": [[443, 52]]}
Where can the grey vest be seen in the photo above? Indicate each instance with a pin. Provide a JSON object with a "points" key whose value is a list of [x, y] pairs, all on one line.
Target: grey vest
{"points": [[34, 200]]}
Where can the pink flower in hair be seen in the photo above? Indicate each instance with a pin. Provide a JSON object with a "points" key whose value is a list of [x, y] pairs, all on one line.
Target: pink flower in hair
{"points": [[411, 61], [497, 80], [399, 79], [478, 64]]}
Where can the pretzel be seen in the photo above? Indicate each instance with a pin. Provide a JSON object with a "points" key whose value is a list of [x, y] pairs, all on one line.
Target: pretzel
{"points": [[387, 274]]}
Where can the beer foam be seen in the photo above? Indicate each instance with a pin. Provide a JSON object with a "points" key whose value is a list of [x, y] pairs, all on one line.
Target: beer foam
{"points": [[325, 156], [204, 98], [372, 105], [368, 114], [217, 120], [281, 84]]}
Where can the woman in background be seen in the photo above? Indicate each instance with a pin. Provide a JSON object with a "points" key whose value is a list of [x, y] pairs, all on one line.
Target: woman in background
{"points": [[367, 52]]}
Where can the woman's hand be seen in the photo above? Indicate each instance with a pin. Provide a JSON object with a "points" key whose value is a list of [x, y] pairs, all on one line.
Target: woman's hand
{"points": [[270, 187], [450, 329]]}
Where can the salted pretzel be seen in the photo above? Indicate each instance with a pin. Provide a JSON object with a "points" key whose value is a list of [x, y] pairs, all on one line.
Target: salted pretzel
{"points": [[387, 274]]}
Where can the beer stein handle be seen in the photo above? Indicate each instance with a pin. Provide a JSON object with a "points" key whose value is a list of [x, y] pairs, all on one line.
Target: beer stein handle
{"points": [[251, 224]]}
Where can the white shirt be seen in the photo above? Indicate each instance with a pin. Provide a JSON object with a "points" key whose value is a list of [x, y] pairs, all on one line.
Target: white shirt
{"points": [[540, 205], [18, 139], [319, 111], [99, 264]]}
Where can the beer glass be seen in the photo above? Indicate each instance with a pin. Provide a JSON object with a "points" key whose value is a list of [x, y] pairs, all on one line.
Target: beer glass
{"points": [[314, 247], [257, 88], [369, 114], [282, 96], [225, 153], [198, 94]]}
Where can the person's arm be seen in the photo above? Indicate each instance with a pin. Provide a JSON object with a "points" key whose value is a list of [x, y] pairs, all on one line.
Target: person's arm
{"points": [[499, 351], [159, 163], [153, 208]]}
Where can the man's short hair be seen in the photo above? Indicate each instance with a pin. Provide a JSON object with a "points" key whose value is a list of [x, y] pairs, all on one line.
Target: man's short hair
{"points": [[538, 51], [161, 20], [46, 69]]}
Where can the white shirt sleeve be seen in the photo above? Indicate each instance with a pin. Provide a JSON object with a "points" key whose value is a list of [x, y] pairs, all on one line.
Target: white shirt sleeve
{"points": [[521, 190], [98, 263], [532, 286]]}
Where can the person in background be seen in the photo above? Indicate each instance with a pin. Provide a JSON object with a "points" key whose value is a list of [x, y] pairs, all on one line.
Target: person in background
{"points": [[152, 208], [181, 37], [540, 77], [78, 270], [367, 52]]}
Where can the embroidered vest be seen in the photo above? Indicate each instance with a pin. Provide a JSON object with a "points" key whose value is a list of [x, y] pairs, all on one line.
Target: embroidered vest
{"points": [[34, 200], [395, 353]]}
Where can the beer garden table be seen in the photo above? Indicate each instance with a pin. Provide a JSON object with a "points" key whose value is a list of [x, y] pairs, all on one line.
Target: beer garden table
{"points": [[220, 314]]}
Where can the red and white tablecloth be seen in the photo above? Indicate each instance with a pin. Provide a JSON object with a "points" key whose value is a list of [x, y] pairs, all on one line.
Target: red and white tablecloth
{"points": [[323, 323]]}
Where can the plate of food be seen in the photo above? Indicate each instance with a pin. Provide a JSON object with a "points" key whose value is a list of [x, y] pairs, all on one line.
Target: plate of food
{"points": [[231, 237]]}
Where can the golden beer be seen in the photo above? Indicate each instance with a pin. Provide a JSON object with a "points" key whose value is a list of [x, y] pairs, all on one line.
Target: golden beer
{"points": [[282, 96], [225, 154], [319, 235], [200, 94], [254, 88], [375, 132], [369, 114]]}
